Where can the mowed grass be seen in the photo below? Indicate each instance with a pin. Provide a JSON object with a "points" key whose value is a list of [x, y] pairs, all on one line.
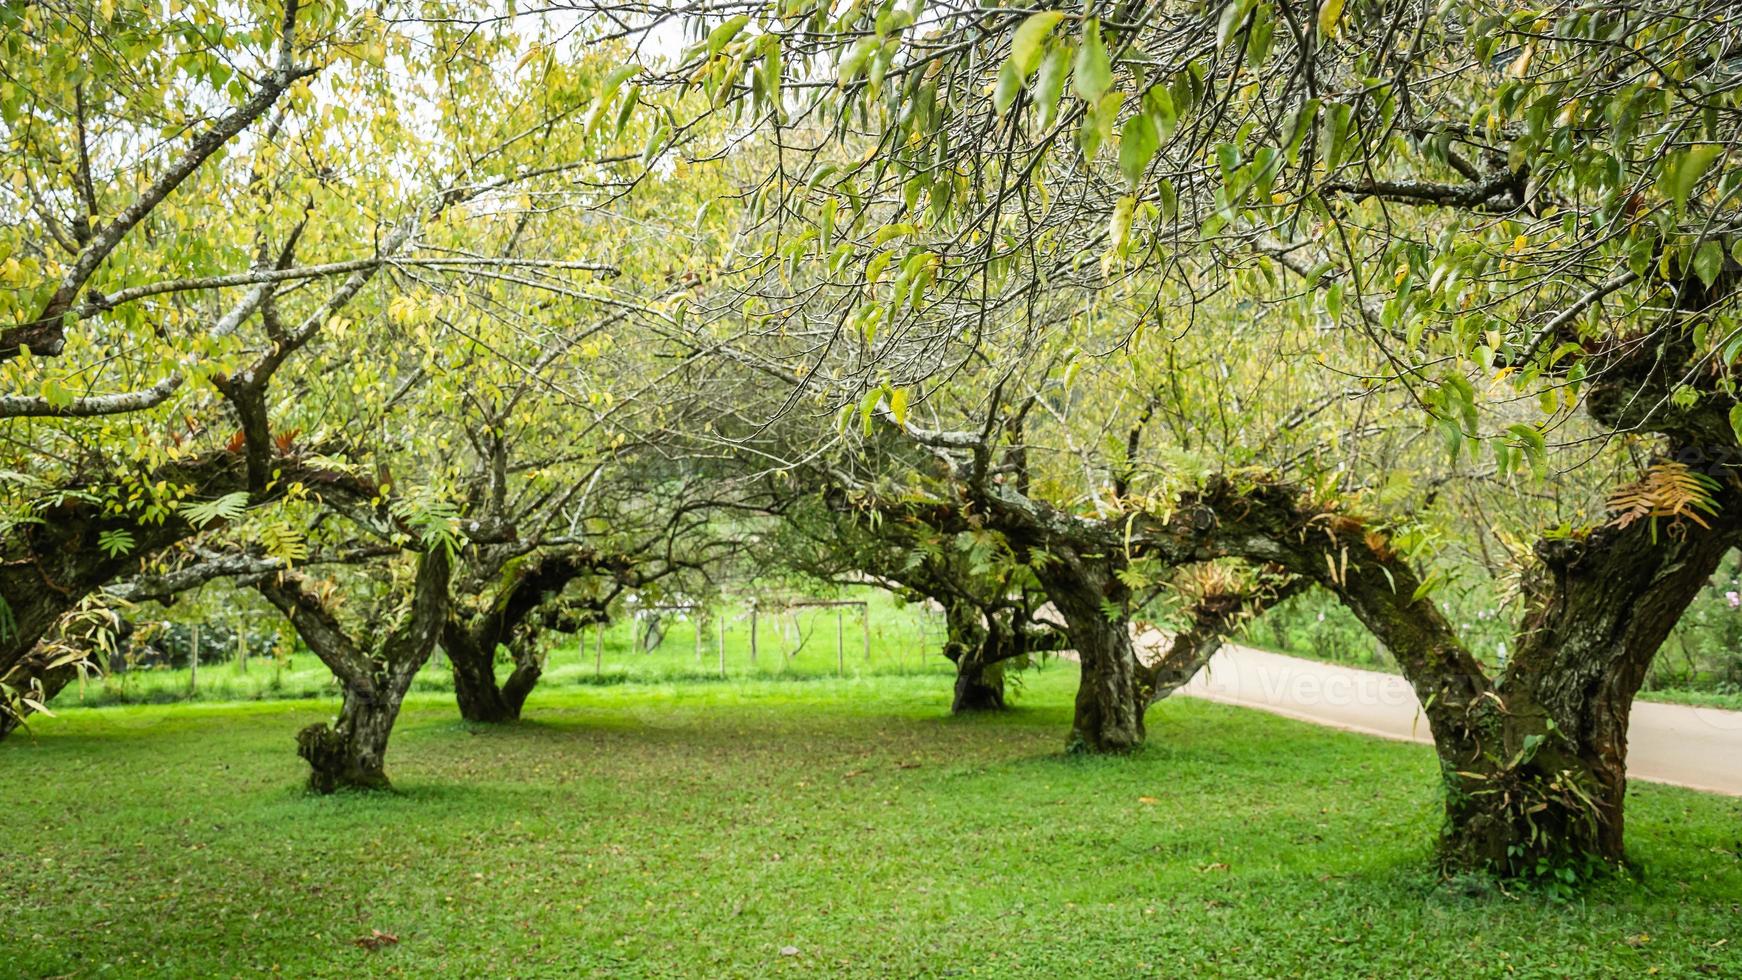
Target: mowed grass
{"points": [[826, 828]]}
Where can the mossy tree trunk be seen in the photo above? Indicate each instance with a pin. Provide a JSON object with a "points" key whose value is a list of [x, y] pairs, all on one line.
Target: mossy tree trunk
{"points": [[351, 752], [511, 615], [1534, 762], [1087, 592], [1545, 777]]}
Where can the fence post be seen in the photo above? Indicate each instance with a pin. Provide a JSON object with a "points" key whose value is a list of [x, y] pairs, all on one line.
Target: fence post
{"points": [[722, 625], [752, 632], [840, 650], [599, 648], [241, 642], [194, 662]]}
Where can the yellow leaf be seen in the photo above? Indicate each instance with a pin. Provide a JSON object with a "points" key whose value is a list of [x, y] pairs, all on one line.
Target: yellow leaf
{"points": [[1330, 15]]}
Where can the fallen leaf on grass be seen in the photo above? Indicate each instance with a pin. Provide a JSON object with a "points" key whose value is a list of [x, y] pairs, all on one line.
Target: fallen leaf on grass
{"points": [[1148, 800], [375, 940]]}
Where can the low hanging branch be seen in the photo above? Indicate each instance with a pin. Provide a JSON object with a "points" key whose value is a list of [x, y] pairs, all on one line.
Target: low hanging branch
{"points": [[1209, 621]]}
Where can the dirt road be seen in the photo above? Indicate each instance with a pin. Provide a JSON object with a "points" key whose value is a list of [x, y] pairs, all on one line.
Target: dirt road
{"points": [[1700, 748]]}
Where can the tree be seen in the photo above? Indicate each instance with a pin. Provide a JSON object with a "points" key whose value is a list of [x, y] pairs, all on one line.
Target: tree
{"points": [[188, 313], [375, 664], [1480, 207], [990, 602]]}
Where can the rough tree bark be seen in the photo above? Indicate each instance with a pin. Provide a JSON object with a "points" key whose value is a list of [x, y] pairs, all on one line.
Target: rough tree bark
{"points": [[1545, 775], [1090, 597], [1533, 763], [351, 753], [524, 590]]}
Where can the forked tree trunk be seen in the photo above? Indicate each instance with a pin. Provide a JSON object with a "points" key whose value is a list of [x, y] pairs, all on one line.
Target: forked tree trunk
{"points": [[1543, 780], [351, 753], [481, 699], [512, 616], [1533, 764], [475, 689]]}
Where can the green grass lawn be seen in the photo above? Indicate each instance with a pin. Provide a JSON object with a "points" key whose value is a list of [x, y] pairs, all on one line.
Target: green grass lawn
{"points": [[828, 828]]}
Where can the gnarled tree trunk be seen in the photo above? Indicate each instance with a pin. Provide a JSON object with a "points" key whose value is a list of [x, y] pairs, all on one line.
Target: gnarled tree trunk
{"points": [[1110, 700], [475, 689], [1535, 763], [351, 752], [480, 698], [1545, 776], [510, 616]]}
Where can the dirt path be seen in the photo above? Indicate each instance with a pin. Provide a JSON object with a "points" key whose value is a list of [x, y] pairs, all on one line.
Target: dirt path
{"points": [[1700, 748]]}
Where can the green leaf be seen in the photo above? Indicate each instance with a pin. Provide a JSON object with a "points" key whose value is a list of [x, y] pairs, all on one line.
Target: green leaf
{"points": [[1683, 171], [1531, 441], [1158, 103], [1049, 85], [1009, 85], [720, 36], [1736, 420], [1168, 199], [1337, 117], [1300, 122], [56, 394], [1094, 70], [853, 65], [655, 143], [1025, 47], [1098, 124], [1137, 146], [888, 233], [229, 507], [115, 542], [1709, 261], [1233, 15]]}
